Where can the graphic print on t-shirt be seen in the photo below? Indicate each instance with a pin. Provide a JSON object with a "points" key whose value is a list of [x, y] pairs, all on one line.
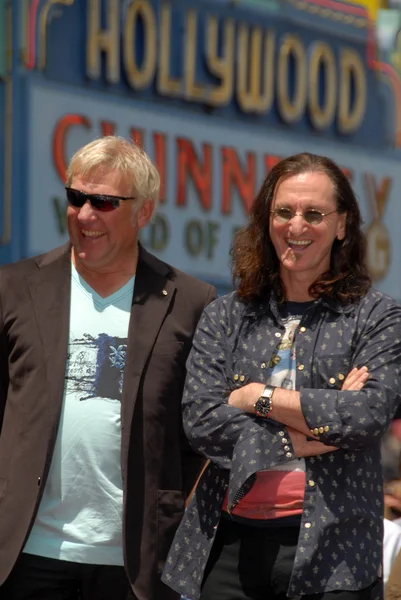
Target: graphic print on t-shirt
{"points": [[96, 366]]}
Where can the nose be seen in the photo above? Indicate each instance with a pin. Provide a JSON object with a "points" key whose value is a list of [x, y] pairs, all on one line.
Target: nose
{"points": [[86, 212], [297, 224]]}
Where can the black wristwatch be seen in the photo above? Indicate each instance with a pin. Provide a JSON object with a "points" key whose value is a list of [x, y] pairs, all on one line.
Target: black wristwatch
{"points": [[264, 405]]}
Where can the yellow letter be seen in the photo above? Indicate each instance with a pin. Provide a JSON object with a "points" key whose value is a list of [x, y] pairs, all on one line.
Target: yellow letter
{"points": [[193, 91], [140, 77], [291, 109], [166, 85], [322, 58], [222, 67], [103, 40], [350, 117], [250, 95]]}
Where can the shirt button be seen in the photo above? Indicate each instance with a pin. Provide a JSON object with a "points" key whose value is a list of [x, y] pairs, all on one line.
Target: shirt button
{"points": [[303, 329], [164, 292], [278, 334], [300, 367], [311, 483], [308, 525], [263, 366], [332, 380], [288, 454]]}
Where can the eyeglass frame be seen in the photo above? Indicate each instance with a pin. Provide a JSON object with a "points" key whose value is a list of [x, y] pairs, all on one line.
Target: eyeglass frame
{"points": [[113, 200], [295, 214]]}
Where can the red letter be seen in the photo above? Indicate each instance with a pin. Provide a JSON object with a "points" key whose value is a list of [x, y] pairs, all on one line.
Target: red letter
{"points": [[159, 140], [108, 128], [187, 163], [271, 161], [59, 137], [137, 136], [245, 182]]}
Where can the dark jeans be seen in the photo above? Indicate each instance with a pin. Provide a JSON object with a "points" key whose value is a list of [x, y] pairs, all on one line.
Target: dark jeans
{"points": [[40, 578], [253, 563]]}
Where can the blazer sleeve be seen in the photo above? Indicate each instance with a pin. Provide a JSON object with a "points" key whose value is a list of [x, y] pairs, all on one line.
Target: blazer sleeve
{"points": [[3, 361], [222, 433], [358, 419], [192, 462]]}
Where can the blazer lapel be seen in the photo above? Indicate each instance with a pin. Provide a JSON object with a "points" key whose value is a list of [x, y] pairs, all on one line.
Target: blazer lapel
{"points": [[153, 294], [50, 289]]}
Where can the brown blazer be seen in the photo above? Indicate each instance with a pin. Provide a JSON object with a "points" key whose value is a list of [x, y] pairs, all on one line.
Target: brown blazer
{"points": [[158, 468]]}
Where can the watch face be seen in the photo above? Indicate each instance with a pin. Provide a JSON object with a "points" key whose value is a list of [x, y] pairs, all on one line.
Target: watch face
{"points": [[262, 407]]}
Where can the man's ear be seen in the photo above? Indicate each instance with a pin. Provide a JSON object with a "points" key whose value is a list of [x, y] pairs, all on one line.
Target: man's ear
{"points": [[342, 226], [145, 213]]}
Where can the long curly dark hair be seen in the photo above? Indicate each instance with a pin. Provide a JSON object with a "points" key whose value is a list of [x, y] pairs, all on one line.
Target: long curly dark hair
{"points": [[255, 265]]}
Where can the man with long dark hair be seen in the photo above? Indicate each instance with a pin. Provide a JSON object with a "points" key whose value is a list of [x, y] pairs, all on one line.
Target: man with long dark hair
{"points": [[292, 381]]}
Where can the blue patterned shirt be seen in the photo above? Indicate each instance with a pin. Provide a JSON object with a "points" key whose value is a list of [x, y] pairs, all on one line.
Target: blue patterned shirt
{"points": [[340, 542]]}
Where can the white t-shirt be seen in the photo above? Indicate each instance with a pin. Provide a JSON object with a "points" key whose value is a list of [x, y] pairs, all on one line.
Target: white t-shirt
{"points": [[391, 546], [80, 514]]}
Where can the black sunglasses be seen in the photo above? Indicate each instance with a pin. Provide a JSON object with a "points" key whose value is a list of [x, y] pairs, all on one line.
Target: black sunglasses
{"points": [[311, 215], [101, 202]]}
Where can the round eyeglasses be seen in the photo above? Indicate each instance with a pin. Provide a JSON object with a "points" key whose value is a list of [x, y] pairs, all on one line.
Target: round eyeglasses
{"points": [[311, 215]]}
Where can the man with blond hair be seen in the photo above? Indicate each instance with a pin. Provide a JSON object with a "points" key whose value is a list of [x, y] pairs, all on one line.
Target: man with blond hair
{"points": [[94, 336]]}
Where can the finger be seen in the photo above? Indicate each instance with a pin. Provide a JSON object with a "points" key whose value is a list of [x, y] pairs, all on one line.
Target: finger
{"points": [[356, 384], [356, 377], [316, 448], [355, 373]]}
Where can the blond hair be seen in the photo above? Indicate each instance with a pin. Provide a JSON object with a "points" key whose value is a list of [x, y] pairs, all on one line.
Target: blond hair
{"points": [[111, 153]]}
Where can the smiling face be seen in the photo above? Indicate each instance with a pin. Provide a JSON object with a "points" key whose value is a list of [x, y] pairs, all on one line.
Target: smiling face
{"points": [[304, 250], [106, 242]]}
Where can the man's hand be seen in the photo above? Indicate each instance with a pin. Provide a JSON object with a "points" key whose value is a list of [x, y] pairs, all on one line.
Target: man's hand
{"points": [[356, 379], [303, 447]]}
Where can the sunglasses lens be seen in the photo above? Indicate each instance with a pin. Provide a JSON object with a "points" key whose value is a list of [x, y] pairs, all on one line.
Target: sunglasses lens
{"points": [[75, 198], [313, 217], [102, 204], [283, 214]]}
